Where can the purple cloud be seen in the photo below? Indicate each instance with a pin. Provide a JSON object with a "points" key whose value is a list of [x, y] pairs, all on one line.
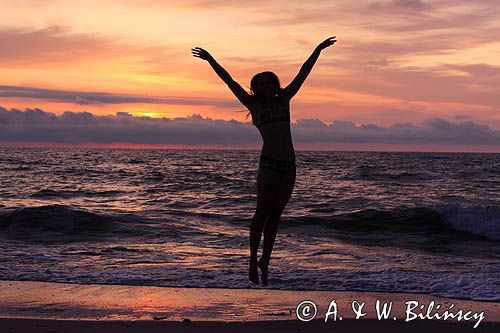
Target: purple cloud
{"points": [[34, 125]]}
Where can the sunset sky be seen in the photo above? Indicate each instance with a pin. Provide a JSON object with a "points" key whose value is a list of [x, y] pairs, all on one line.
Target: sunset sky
{"points": [[429, 68]]}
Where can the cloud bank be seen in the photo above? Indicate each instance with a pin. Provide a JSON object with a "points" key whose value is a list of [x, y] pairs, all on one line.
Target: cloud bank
{"points": [[89, 98], [32, 125]]}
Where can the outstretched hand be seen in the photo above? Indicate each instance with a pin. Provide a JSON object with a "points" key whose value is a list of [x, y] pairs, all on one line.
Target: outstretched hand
{"points": [[201, 53], [326, 43]]}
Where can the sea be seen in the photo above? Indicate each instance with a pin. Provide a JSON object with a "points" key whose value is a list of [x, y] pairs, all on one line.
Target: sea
{"points": [[408, 222]]}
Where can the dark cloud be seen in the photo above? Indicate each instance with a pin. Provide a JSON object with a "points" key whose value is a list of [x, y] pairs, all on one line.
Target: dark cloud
{"points": [[34, 125], [85, 98], [400, 5], [477, 70], [84, 127]]}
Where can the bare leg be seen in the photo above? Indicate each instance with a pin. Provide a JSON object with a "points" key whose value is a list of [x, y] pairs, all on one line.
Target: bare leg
{"points": [[267, 183], [270, 231], [256, 229], [271, 226]]}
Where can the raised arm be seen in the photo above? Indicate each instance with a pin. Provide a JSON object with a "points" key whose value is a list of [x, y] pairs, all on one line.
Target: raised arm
{"points": [[294, 86], [244, 97]]}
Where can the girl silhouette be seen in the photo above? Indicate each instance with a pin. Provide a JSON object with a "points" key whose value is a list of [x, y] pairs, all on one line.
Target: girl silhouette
{"points": [[269, 105]]}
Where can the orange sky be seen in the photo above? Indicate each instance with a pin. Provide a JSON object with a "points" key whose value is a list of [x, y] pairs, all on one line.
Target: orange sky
{"points": [[395, 60]]}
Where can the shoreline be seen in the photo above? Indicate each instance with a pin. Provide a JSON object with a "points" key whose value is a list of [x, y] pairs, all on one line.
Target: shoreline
{"points": [[14, 325], [27, 306]]}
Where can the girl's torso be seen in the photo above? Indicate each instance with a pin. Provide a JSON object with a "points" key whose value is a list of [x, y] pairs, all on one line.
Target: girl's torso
{"points": [[273, 122]]}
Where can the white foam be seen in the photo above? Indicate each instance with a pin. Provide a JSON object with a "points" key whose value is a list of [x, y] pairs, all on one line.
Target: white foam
{"points": [[479, 220]]}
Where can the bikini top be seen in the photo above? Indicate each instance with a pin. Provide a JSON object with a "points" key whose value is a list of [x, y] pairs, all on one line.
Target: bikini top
{"points": [[265, 115]]}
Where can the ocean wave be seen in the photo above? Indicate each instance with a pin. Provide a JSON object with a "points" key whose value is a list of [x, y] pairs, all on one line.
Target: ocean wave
{"points": [[50, 193], [478, 220], [60, 223], [18, 168], [369, 172], [429, 222], [430, 225]]}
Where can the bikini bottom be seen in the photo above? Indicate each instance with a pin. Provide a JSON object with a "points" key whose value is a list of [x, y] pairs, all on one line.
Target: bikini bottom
{"points": [[279, 166]]}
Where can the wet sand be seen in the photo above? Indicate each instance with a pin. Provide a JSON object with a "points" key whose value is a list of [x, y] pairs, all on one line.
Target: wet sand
{"points": [[27, 306]]}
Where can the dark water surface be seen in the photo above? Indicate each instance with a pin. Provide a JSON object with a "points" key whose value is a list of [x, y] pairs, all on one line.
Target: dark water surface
{"points": [[408, 222]]}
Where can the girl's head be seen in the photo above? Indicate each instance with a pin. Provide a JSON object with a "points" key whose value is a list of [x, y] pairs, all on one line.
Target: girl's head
{"points": [[265, 84]]}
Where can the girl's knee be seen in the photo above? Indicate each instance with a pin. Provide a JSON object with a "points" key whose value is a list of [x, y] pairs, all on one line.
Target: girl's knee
{"points": [[271, 226], [275, 213], [259, 219], [264, 207]]}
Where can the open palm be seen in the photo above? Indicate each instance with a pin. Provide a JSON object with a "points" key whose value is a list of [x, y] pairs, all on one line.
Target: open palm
{"points": [[201, 53]]}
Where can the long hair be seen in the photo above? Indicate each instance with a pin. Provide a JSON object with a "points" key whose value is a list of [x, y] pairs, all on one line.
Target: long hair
{"points": [[275, 81]]}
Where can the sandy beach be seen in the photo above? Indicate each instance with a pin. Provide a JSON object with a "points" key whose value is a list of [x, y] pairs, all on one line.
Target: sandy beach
{"points": [[27, 306]]}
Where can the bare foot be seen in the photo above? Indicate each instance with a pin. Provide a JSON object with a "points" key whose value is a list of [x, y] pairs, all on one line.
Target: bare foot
{"points": [[265, 271], [253, 272]]}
